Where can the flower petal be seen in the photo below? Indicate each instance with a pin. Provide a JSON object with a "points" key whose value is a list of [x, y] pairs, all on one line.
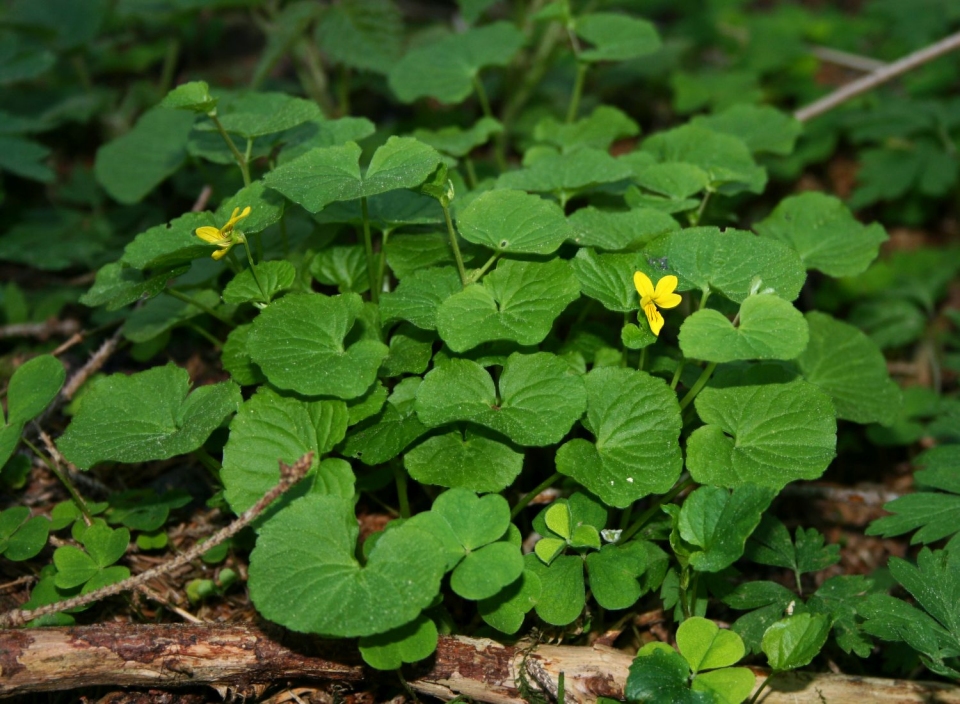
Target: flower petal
{"points": [[220, 253], [644, 284], [668, 300], [245, 213], [654, 318], [209, 234], [668, 284]]}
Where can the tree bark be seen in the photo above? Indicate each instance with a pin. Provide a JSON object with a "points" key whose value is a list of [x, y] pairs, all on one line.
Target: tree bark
{"points": [[240, 657]]}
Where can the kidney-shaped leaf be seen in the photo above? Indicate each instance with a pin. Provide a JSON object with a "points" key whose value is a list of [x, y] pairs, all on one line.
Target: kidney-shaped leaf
{"points": [[540, 397], [766, 435], [304, 574], [849, 366], [145, 416], [470, 460], [514, 221], [635, 418], [770, 328], [300, 344], [823, 231], [518, 302]]}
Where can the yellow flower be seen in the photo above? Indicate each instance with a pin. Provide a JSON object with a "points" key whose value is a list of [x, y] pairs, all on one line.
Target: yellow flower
{"points": [[225, 237], [651, 298]]}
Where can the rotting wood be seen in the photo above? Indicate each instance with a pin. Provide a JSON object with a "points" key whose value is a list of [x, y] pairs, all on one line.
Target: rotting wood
{"points": [[239, 657]]}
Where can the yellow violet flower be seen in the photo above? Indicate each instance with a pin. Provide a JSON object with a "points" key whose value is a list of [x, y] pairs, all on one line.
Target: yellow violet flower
{"points": [[651, 298], [225, 237]]}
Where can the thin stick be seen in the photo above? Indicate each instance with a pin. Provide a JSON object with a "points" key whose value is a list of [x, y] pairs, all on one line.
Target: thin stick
{"points": [[42, 330], [846, 59], [92, 366], [289, 475], [878, 77]]}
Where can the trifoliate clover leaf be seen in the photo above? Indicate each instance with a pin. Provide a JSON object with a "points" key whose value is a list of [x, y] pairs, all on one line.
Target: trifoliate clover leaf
{"points": [[705, 647], [717, 523], [614, 573], [515, 222], [539, 400], [658, 674], [636, 421], [92, 568], [329, 174], [769, 328], [505, 610], [145, 416], [250, 456], [304, 574], [301, 343], [447, 68], [517, 302], [765, 435], [22, 537], [468, 459], [563, 593], [849, 366], [824, 233]]}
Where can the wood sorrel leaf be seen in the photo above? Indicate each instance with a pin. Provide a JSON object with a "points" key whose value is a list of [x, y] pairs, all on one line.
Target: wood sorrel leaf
{"points": [[409, 643], [300, 342], [733, 262], [563, 593], [705, 647], [514, 221], [614, 572], [445, 69], [823, 231], [304, 574], [622, 230], [466, 459], [658, 674], [505, 610], [145, 416], [766, 435], [635, 418], [770, 328], [269, 427], [518, 301], [540, 397], [328, 174], [849, 366]]}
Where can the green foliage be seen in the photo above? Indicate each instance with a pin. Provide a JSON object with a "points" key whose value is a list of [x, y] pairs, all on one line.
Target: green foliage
{"points": [[32, 387]]}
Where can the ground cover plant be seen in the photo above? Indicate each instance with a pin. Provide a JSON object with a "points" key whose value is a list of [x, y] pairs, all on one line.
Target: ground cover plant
{"points": [[507, 320]]}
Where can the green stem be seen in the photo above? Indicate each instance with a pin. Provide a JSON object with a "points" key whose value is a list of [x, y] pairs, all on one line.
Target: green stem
{"points": [[698, 385], [68, 485], [204, 334], [169, 65], [382, 269], [368, 246], [253, 271], [180, 296], [677, 372], [238, 157], [654, 508], [482, 96], [577, 92], [209, 462], [318, 76], [471, 173], [703, 299], [454, 245], [695, 217], [533, 75], [400, 476], [476, 274], [756, 695], [532, 494], [643, 359]]}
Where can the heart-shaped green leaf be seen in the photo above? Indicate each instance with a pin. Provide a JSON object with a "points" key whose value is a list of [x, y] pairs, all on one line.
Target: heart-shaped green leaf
{"points": [[770, 328], [409, 643], [615, 37], [766, 435], [464, 459], [636, 421], [145, 416], [823, 231], [269, 428], [459, 142], [761, 127], [540, 397], [849, 366], [300, 343], [608, 278], [274, 276], [568, 173], [328, 174], [659, 674], [487, 570], [563, 592], [514, 221], [732, 262], [604, 126], [619, 230], [517, 302], [614, 572], [705, 647], [389, 432], [304, 575], [505, 610], [169, 245], [446, 68], [475, 521], [418, 297]]}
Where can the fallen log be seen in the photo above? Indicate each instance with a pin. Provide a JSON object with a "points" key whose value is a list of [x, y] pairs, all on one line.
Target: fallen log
{"points": [[242, 658]]}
